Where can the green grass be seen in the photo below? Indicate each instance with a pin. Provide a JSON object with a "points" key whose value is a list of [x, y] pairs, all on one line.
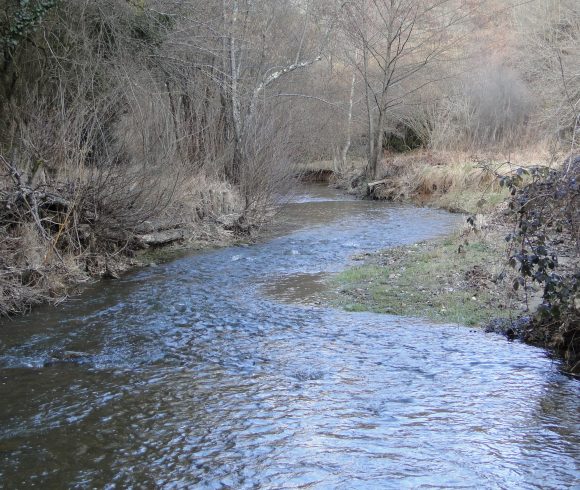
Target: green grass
{"points": [[447, 281]]}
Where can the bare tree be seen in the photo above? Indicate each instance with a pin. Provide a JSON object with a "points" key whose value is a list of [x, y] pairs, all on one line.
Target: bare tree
{"points": [[399, 41], [549, 38], [256, 58]]}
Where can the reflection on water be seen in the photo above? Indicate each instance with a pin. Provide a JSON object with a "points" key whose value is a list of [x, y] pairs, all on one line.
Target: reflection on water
{"points": [[193, 378]]}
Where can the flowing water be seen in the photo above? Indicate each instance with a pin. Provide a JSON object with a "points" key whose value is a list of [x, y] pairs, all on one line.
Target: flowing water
{"points": [[215, 371]]}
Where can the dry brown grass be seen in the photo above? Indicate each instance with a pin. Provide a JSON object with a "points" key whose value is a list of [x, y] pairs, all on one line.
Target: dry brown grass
{"points": [[453, 180]]}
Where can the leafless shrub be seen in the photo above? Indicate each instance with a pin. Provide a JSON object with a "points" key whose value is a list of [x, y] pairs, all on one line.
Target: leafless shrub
{"points": [[266, 177], [91, 147]]}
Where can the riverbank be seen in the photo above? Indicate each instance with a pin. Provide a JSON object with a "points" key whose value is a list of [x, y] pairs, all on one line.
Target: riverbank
{"points": [[508, 270], [459, 279], [54, 239], [444, 280], [454, 181], [53, 283]]}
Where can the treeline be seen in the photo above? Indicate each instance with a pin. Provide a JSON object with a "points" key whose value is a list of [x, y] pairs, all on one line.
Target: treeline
{"points": [[119, 117], [471, 76]]}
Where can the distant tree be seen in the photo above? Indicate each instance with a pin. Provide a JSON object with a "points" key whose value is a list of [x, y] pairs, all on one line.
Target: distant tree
{"points": [[549, 37], [400, 42]]}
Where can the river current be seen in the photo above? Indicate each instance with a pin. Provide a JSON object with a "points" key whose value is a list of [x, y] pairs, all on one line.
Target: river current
{"points": [[196, 377]]}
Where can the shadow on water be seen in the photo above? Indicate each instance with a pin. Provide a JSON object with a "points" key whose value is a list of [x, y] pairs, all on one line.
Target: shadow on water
{"points": [[296, 288], [191, 377]]}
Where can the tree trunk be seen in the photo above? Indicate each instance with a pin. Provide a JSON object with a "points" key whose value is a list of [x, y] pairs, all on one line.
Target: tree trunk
{"points": [[370, 128], [373, 165], [346, 146], [233, 169]]}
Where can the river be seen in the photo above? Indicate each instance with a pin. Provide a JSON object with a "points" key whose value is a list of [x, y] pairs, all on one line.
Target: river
{"points": [[202, 373]]}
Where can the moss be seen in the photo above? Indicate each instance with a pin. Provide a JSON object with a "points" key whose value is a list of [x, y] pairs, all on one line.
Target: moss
{"points": [[449, 280]]}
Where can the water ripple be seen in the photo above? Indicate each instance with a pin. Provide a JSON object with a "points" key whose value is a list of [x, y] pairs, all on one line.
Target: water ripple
{"points": [[192, 379]]}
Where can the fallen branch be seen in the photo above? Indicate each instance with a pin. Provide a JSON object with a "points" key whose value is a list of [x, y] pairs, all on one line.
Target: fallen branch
{"points": [[371, 185], [160, 238]]}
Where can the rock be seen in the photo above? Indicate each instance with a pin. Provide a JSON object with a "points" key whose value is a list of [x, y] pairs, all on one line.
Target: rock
{"points": [[308, 375], [111, 274], [67, 357], [83, 449], [236, 223]]}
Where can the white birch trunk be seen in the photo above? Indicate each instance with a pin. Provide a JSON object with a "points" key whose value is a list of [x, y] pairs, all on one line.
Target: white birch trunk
{"points": [[347, 143]]}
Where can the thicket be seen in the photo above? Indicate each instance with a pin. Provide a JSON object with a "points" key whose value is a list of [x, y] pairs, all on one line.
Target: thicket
{"points": [[478, 77], [121, 118], [545, 249]]}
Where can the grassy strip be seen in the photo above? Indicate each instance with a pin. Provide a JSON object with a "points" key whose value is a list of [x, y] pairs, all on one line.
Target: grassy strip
{"points": [[450, 280]]}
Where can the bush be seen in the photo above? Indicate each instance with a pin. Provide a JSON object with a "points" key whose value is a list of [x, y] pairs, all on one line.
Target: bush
{"points": [[545, 249]]}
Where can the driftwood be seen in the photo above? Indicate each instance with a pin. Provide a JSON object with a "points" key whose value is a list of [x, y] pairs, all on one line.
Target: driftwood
{"points": [[371, 185], [52, 201], [160, 238], [33, 198]]}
